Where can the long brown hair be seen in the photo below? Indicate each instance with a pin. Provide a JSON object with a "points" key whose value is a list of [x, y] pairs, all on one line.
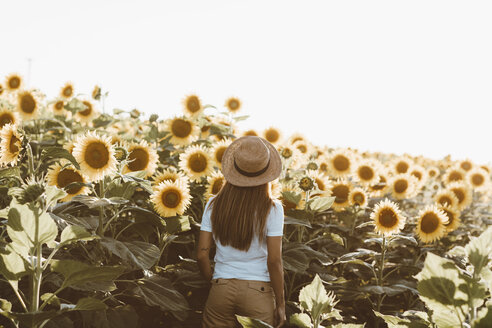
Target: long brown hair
{"points": [[240, 213]]}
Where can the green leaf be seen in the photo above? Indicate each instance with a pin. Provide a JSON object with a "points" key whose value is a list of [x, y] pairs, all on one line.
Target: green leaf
{"points": [[78, 273], [53, 194], [5, 305], [137, 254], [479, 250], [59, 152], [177, 224], [251, 323], [51, 298], [12, 266], [10, 172], [21, 228], [438, 287], [320, 204], [291, 220], [158, 291], [392, 321], [484, 318], [291, 197], [301, 320], [73, 234], [90, 304], [96, 202], [313, 298]]}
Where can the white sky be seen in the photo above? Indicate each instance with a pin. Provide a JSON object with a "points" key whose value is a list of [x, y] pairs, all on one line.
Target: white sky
{"points": [[394, 76]]}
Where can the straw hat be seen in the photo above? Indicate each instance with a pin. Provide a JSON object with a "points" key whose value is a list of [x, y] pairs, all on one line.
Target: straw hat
{"points": [[251, 161]]}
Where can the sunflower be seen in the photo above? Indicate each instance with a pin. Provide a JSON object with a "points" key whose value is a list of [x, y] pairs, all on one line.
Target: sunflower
{"points": [[403, 186], [466, 165], [341, 190], [205, 125], [233, 104], [215, 182], [69, 145], [171, 198], [1, 89], [218, 150], [358, 196], [7, 116], [96, 92], [142, 157], [367, 172], [401, 165], [296, 137], [382, 187], [272, 135], [287, 202], [86, 115], [420, 174], [463, 192], [453, 218], [387, 218], [196, 162], [66, 91], [431, 224], [454, 174], [60, 175], [322, 183], [13, 82], [10, 144], [433, 172], [323, 164], [275, 189], [27, 104], [304, 147], [341, 163], [58, 107], [182, 130], [95, 154], [479, 179], [251, 132], [446, 198], [192, 105], [169, 174]]}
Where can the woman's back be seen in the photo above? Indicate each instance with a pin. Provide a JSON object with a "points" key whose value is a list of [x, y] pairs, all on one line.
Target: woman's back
{"points": [[231, 262]]}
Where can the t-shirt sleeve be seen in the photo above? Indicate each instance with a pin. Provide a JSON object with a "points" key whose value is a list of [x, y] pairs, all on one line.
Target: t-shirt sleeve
{"points": [[206, 223], [275, 223]]}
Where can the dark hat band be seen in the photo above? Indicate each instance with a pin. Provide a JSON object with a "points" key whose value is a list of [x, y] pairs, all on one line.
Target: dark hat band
{"points": [[251, 174]]}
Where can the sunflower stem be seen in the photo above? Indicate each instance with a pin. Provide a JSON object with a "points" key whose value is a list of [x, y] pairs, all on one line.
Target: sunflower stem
{"points": [[30, 159], [101, 228], [380, 276]]}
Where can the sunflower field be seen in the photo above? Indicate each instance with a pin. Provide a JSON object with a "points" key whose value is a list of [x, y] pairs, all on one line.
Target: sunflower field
{"points": [[100, 215]]}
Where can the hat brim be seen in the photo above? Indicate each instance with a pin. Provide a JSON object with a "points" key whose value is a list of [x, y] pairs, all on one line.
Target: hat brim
{"points": [[235, 178]]}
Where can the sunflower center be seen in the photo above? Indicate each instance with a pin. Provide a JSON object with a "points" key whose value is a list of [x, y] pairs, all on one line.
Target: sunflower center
{"points": [[388, 218], [323, 167], [59, 105], [288, 204], [14, 82], [6, 118], [358, 198], [455, 176], [217, 185], [445, 200], [251, 133], [381, 185], [302, 148], [366, 173], [341, 193], [27, 103], [97, 155], [181, 128], [67, 91], [219, 153], [193, 104], [321, 185], [272, 135], [233, 104], [477, 179], [466, 166], [88, 110], [140, 159], [341, 163], [171, 198], [197, 162], [432, 173], [286, 153], [402, 167], [205, 128], [401, 186], [429, 223], [450, 216], [13, 148], [459, 194], [417, 174], [66, 177]]}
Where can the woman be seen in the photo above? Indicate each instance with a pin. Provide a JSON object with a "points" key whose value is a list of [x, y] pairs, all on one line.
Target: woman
{"points": [[247, 227]]}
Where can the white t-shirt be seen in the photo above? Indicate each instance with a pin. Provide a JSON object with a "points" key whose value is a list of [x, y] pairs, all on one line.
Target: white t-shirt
{"points": [[231, 262]]}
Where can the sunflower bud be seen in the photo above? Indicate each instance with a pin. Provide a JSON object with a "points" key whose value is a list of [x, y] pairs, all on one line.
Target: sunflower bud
{"points": [[30, 193], [153, 118], [312, 166], [120, 153], [306, 183]]}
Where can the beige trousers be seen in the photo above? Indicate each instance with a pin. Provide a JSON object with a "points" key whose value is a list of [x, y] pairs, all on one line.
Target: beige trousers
{"points": [[227, 297]]}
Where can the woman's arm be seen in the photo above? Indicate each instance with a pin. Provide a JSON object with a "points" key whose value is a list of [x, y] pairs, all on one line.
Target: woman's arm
{"points": [[203, 254], [276, 270]]}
